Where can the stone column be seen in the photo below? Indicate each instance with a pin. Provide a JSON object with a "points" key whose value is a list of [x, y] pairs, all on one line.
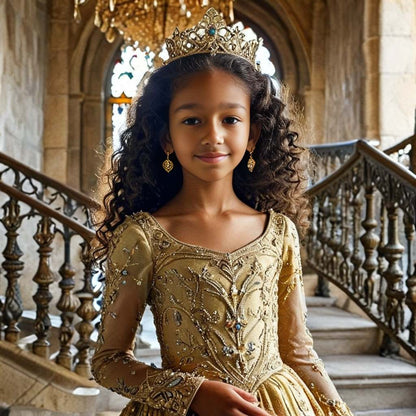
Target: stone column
{"points": [[55, 140], [315, 95], [371, 47], [74, 144], [397, 70]]}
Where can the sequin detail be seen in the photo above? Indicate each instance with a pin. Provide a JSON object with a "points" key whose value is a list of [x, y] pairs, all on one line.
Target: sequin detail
{"points": [[222, 316]]}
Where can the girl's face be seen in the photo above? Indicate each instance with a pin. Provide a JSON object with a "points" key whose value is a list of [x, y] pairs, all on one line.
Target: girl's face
{"points": [[209, 125]]}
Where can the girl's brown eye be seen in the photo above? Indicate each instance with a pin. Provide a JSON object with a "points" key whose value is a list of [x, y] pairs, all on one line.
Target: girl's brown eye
{"points": [[191, 121], [231, 120]]}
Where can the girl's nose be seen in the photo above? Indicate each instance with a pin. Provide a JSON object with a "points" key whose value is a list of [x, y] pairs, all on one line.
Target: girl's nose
{"points": [[213, 135]]}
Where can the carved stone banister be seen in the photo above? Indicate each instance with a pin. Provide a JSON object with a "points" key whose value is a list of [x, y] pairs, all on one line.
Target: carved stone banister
{"points": [[406, 149], [338, 148], [33, 199], [47, 181], [326, 158], [376, 240], [44, 209], [373, 156]]}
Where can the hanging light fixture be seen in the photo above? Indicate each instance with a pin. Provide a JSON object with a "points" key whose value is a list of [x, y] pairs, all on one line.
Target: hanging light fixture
{"points": [[146, 23]]}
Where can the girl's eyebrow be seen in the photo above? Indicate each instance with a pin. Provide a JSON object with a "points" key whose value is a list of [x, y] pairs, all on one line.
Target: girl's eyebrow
{"points": [[191, 106]]}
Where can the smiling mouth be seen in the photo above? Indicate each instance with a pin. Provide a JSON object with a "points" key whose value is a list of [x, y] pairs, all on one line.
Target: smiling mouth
{"points": [[212, 158]]}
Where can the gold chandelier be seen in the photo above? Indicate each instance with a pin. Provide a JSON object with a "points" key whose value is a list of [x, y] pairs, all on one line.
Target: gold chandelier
{"points": [[146, 23]]}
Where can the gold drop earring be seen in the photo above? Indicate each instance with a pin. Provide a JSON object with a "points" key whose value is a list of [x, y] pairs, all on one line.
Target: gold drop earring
{"points": [[167, 163], [251, 162]]}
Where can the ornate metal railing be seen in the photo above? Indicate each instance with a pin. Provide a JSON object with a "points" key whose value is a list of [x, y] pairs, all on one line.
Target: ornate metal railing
{"points": [[70, 202], [404, 152], [61, 217], [362, 240], [327, 158]]}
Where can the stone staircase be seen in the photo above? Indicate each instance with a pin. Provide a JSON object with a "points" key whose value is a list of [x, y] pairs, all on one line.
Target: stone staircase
{"points": [[348, 344], [346, 341]]}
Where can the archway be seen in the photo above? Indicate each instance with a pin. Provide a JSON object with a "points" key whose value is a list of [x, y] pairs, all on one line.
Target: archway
{"points": [[92, 57]]}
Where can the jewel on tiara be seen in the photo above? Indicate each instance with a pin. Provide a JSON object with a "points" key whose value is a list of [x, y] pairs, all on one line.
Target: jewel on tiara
{"points": [[212, 35]]}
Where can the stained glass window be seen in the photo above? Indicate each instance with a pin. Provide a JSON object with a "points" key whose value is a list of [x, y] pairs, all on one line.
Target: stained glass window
{"points": [[128, 72]]}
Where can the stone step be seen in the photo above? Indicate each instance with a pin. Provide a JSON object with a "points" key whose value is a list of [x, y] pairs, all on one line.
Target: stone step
{"points": [[336, 331], [107, 414], [386, 412], [317, 301], [369, 382], [310, 281], [31, 383], [32, 411], [110, 403]]}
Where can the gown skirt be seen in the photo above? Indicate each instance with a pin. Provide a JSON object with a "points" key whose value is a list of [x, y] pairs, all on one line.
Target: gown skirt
{"points": [[282, 394]]}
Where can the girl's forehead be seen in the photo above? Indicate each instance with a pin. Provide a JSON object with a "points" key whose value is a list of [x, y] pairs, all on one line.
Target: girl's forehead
{"points": [[213, 82]]}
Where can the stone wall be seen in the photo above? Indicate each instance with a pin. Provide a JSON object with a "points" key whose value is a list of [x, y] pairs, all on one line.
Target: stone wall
{"points": [[22, 78], [344, 71]]}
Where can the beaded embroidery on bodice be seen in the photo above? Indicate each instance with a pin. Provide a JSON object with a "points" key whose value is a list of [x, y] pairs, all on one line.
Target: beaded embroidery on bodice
{"points": [[216, 313], [236, 317]]}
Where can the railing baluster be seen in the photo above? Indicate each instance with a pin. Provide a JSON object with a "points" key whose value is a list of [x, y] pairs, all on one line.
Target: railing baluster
{"points": [[334, 242], [12, 309], [87, 313], [322, 288], [44, 277], [382, 262], [409, 229], [411, 303], [67, 304], [313, 229], [324, 236], [319, 252], [356, 258], [370, 242], [344, 267], [394, 314]]}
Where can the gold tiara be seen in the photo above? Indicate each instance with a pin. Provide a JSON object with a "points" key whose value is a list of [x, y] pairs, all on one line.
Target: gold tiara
{"points": [[212, 35]]}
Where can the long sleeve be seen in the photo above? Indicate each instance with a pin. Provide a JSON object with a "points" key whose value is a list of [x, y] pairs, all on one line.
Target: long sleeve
{"points": [[295, 341], [127, 284]]}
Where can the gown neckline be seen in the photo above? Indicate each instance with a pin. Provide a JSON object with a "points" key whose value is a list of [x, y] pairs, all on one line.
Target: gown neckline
{"points": [[221, 253]]}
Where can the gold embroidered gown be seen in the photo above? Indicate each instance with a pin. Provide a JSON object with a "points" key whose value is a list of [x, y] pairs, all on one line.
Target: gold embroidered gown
{"points": [[235, 317]]}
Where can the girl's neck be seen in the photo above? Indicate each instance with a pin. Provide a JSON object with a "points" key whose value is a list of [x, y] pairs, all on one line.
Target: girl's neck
{"points": [[211, 198]]}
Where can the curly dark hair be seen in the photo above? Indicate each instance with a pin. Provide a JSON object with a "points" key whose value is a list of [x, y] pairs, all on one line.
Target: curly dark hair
{"points": [[138, 182]]}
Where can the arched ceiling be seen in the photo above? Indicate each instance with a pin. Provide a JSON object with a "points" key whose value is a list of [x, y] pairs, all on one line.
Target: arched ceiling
{"points": [[286, 27]]}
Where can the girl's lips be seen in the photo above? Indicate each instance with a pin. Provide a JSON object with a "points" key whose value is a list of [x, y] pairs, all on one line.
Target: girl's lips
{"points": [[212, 158]]}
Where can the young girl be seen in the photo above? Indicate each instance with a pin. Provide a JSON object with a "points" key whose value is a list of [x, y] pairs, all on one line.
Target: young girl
{"points": [[197, 226]]}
